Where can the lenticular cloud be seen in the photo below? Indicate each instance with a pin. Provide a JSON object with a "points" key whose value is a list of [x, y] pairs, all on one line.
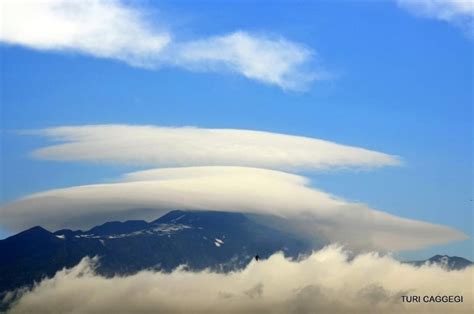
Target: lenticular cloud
{"points": [[325, 282], [226, 180], [149, 194], [189, 146]]}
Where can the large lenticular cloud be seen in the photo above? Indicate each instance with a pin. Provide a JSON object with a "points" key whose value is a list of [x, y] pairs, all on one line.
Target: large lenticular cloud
{"points": [[149, 194], [326, 282], [187, 146]]}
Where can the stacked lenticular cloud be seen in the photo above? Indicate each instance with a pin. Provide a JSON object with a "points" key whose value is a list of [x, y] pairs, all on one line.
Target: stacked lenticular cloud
{"points": [[222, 170]]}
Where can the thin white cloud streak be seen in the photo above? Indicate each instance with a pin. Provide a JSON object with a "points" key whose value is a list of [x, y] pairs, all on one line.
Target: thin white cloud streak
{"points": [[112, 29], [325, 282], [149, 194], [276, 61], [187, 146], [457, 12]]}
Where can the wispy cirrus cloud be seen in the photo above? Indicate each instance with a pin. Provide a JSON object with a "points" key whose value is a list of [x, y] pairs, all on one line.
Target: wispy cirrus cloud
{"points": [[328, 281], [189, 146], [120, 31], [457, 12], [148, 194]]}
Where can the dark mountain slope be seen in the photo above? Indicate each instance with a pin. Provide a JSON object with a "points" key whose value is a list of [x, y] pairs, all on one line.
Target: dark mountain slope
{"points": [[445, 261], [199, 239], [37, 253]]}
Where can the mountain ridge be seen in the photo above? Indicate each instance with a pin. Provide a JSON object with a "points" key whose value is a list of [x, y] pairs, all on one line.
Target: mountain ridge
{"points": [[221, 241], [445, 261]]}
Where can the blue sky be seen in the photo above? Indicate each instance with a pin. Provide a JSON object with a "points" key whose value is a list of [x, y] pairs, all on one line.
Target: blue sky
{"points": [[395, 83]]}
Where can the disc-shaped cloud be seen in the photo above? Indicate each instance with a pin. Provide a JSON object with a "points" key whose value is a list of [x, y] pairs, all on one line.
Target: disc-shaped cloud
{"points": [[163, 146], [148, 194]]}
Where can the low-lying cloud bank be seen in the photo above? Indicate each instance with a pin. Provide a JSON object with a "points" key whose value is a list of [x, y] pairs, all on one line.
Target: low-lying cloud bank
{"points": [[325, 282], [149, 194], [189, 146], [123, 31]]}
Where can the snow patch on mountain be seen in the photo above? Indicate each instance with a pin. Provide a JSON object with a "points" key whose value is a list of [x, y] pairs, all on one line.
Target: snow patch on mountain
{"points": [[218, 242], [170, 228], [157, 229]]}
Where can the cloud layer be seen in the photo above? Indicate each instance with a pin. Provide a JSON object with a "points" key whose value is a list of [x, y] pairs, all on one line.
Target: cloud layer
{"points": [[149, 194], [325, 282], [113, 29], [186, 146], [457, 12]]}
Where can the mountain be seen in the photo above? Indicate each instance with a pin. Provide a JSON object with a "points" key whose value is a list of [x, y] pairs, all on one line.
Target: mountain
{"points": [[198, 239], [445, 261], [220, 241]]}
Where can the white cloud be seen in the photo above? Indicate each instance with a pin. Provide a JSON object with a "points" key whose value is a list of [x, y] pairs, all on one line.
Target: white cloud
{"points": [[275, 61], [458, 12], [99, 28], [149, 194], [112, 29], [187, 146], [325, 282]]}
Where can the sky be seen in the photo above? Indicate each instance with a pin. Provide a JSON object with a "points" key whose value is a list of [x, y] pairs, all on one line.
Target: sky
{"points": [[390, 77]]}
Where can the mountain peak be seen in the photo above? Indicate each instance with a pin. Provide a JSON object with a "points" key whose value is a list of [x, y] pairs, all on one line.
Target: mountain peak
{"points": [[32, 233], [200, 217], [170, 216], [445, 261], [36, 229]]}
